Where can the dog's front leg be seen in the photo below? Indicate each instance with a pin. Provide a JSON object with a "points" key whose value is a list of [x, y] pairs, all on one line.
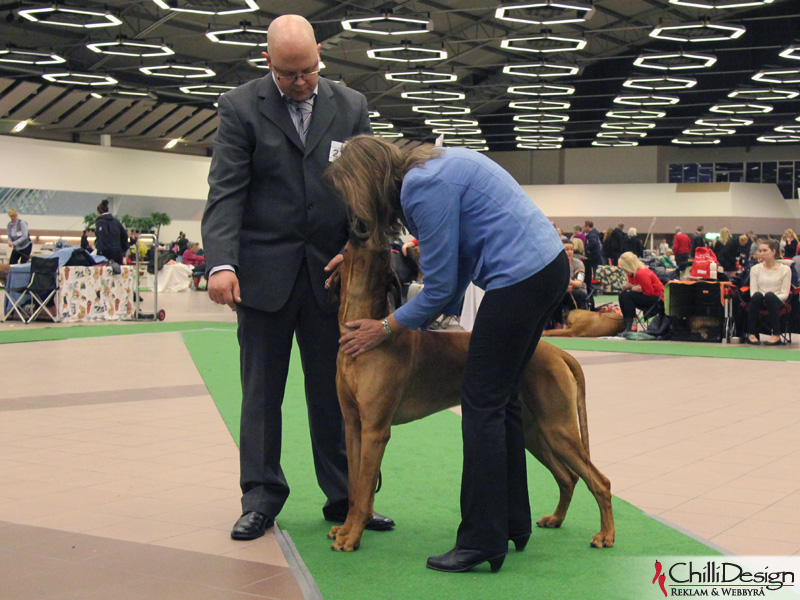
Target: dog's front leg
{"points": [[373, 445], [352, 436]]}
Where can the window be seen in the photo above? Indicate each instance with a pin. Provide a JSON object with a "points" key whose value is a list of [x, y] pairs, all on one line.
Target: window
{"points": [[784, 173]]}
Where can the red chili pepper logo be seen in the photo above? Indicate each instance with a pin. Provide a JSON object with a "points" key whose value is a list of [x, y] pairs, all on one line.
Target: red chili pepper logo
{"points": [[660, 578]]}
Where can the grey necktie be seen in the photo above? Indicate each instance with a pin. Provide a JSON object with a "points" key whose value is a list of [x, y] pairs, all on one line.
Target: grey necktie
{"points": [[302, 119]]}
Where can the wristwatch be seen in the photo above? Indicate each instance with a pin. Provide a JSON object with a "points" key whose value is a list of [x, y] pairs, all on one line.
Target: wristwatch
{"points": [[386, 328]]}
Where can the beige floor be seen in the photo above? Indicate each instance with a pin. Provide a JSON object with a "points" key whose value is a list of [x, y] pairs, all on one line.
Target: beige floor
{"points": [[123, 482]]}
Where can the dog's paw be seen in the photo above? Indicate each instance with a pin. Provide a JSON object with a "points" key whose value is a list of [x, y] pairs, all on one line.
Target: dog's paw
{"points": [[550, 522], [602, 540], [334, 530], [345, 544]]}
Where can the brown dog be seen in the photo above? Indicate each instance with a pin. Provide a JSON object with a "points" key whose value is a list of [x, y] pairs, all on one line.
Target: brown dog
{"points": [[416, 373], [585, 323]]}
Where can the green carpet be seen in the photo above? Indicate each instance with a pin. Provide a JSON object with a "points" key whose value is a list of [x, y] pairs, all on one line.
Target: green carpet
{"points": [[421, 474], [20, 333]]}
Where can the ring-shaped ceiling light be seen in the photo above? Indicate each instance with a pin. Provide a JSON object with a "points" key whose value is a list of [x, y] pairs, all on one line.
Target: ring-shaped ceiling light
{"points": [[657, 84], [542, 118], [546, 12], [605, 143], [545, 42], [647, 100], [71, 77], [259, 62], [209, 7], [720, 4], [421, 76], [745, 108], [539, 139], [388, 134], [433, 95], [244, 35], [176, 71], [466, 141], [780, 139], [622, 134], [381, 125], [29, 57], [542, 146], [723, 122], [675, 61], [441, 109], [388, 24], [636, 114], [451, 122], [542, 69], [373, 114], [704, 31], [207, 89], [792, 52], [407, 53], [695, 141], [539, 128], [794, 129], [627, 125], [706, 131], [539, 105], [69, 17], [122, 93], [764, 94], [136, 49], [542, 89], [457, 131], [778, 76]]}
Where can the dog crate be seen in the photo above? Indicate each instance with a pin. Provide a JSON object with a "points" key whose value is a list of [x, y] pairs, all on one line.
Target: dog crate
{"points": [[696, 309]]}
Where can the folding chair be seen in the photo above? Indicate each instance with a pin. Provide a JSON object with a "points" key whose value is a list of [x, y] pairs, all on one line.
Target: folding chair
{"points": [[784, 314], [643, 317], [42, 287]]}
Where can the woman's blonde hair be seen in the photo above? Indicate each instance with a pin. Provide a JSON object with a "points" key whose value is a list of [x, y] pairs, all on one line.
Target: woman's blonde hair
{"points": [[13, 213], [577, 245], [630, 263], [368, 176], [724, 235], [792, 235]]}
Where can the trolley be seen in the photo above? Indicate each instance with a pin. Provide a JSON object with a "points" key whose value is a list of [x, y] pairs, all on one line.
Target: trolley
{"points": [[156, 315]]}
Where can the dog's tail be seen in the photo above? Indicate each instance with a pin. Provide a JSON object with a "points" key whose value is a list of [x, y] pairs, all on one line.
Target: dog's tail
{"points": [[580, 380]]}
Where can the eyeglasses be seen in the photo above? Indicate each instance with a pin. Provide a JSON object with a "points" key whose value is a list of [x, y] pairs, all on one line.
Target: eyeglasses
{"points": [[291, 78]]}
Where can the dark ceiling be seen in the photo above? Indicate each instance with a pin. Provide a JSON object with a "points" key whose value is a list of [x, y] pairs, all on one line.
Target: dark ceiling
{"points": [[616, 32]]}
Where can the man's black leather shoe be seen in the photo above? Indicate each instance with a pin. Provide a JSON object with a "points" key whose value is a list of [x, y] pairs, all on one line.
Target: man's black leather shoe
{"points": [[459, 560], [251, 525], [378, 522]]}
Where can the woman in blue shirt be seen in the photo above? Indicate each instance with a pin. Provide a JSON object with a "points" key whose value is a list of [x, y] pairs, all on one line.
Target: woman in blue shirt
{"points": [[473, 223]]}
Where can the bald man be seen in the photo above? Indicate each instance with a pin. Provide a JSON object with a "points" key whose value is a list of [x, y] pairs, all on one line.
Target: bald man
{"points": [[270, 227]]}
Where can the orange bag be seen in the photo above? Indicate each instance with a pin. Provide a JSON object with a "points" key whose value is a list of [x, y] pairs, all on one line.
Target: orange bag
{"points": [[701, 266]]}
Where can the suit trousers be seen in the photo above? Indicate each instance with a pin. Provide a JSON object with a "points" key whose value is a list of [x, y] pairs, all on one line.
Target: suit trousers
{"points": [[494, 486], [265, 343]]}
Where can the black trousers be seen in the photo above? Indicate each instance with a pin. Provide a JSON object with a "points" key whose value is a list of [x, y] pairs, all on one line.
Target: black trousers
{"points": [[629, 301], [20, 256], [494, 486], [265, 343], [758, 302]]}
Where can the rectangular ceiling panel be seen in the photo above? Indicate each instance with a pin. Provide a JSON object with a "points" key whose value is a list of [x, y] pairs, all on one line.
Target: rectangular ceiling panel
{"points": [[81, 113], [37, 103], [105, 115], [60, 108], [147, 121], [16, 96], [203, 131], [160, 129], [127, 117], [197, 119]]}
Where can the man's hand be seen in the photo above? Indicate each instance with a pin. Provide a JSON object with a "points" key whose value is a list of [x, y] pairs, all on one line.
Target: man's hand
{"points": [[331, 268], [223, 288]]}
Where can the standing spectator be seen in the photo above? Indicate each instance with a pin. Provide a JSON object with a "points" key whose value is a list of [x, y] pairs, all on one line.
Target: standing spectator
{"points": [[633, 243], [721, 241], [85, 241], [698, 240], [269, 229], [594, 249], [18, 239], [111, 239], [770, 283], [681, 247], [743, 256], [790, 248], [607, 245], [751, 235], [727, 257], [616, 245], [643, 289], [577, 232], [663, 247]]}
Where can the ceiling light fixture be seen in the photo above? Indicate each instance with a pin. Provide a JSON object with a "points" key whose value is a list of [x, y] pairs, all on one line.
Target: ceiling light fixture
{"points": [[74, 78], [457, 131], [541, 118], [778, 76], [407, 53], [539, 128], [695, 141], [704, 31], [792, 52], [542, 89], [723, 122], [542, 146], [536, 139], [176, 71], [622, 134], [539, 105], [635, 114], [779, 139], [381, 125], [720, 4], [545, 42], [451, 122], [388, 24], [441, 109], [244, 35], [465, 142], [547, 12], [764, 94], [795, 129], [433, 95], [627, 125], [705, 131], [20, 126], [69, 17], [542, 69], [207, 89], [660, 83], [172, 143], [388, 134], [259, 62], [29, 57], [603, 143], [675, 61], [746, 108], [647, 100], [123, 47], [122, 93], [421, 76], [209, 7]]}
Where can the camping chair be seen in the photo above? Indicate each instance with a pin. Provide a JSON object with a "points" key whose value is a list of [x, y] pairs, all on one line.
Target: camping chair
{"points": [[644, 316], [784, 314], [42, 287]]}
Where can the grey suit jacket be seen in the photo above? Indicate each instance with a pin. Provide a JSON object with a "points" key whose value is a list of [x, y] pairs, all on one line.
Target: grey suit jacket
{"points": [[268, 207]]}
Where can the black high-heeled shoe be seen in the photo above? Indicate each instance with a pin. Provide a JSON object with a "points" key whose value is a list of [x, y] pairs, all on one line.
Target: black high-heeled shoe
{"points": [[521, 541], [459, 560]]}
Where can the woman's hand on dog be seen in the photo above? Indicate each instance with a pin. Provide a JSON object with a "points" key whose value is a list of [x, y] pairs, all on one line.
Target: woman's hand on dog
{"points": [[366, 334]]}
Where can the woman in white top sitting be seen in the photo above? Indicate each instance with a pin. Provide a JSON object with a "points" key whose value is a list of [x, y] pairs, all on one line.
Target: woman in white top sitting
{"points": [[770, 284]]}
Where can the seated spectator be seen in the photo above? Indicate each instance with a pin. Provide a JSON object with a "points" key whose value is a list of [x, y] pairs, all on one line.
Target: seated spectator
{"points": [[633, 244], [191, 257], [643, 290], [770, 284], [576, 291], [578, 248]]}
